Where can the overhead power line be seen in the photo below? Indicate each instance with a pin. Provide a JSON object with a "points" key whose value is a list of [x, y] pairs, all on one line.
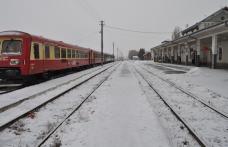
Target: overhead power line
{"points": [[90, 10], [135, 31]]}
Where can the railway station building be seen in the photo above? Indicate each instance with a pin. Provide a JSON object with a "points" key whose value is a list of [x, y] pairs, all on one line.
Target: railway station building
{"points": [[203, 44]]}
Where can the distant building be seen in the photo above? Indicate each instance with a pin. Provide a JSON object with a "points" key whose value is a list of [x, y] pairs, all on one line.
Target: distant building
{"points": [[147, 56], [203, 44], [135, 58]]}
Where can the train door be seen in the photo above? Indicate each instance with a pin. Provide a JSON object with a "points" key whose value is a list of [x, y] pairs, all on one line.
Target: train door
{"points": [[36, 58], [46, 60]]}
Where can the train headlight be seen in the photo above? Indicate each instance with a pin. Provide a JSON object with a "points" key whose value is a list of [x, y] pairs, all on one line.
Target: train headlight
{"points": [[14, 61]]}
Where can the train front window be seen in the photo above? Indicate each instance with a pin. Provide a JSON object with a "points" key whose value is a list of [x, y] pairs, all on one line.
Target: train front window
{"points": [[11, 47]]}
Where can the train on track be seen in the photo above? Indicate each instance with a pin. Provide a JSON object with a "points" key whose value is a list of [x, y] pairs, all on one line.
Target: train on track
{"points": [[23, 55]]}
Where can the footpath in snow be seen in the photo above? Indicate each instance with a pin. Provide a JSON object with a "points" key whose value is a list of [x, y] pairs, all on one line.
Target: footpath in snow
{"points": [[117, 115]]}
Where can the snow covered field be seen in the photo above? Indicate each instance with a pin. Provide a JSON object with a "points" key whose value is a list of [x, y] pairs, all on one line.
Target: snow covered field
{"points": [[125, 111]]}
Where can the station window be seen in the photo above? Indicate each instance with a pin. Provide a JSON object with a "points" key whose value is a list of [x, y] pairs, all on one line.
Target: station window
{"points": [[80, 55], [63, 53], [36, 51], [220, 53], [69, 53], [77, 54], [47, 52], [73, 53], [57, 52]]}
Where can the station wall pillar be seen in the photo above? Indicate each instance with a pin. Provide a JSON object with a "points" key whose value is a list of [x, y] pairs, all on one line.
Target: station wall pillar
{"points": [[186, 53], [214, 51], [162, 55], [198, 48], [172, 54], [178, 54]]}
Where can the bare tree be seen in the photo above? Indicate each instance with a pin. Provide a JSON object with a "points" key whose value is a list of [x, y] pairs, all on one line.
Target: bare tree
{"points": [[176, 33]]}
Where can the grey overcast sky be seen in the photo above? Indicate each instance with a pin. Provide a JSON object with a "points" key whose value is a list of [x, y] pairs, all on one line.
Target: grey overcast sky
{"points": [[77, 21]]}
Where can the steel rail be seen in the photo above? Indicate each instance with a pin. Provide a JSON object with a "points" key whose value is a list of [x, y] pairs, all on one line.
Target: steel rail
{"points": [[7, 88], [5, 125], [223, 114], [4, 108], [75, 109], [196, 136]]}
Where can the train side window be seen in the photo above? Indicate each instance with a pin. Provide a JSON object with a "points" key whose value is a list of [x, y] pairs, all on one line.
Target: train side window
{"points": [[36, 51], [220, 53], [63, 53], [57, 52], [73, 53], [47, 52], [69, 53]]}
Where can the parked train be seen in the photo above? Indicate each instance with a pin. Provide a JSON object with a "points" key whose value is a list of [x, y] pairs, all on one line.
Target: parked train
{"points": [[24, 55]]}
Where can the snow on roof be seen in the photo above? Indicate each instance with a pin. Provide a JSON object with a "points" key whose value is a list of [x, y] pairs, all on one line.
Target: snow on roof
{"points": [[12, 33]]}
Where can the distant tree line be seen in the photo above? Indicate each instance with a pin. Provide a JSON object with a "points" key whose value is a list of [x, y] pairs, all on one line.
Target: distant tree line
{"points": [[139, 53]]}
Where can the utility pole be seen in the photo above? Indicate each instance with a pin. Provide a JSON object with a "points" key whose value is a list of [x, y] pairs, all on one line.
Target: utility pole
{"points": [[102, 45], [113, 47]]}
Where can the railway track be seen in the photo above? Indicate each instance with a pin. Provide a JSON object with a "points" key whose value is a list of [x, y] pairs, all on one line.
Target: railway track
{"points": [[199, 139], [6, 88], [74, 110], [220, 112], [7, 121], [32, 96], [178, 101], [78, 103]]}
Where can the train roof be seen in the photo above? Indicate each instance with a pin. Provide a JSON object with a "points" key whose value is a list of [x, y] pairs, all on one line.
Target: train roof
{"points": [[39, 38], [16, 33]]}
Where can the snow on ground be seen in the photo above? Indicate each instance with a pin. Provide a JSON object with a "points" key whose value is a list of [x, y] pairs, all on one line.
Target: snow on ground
{"points": [[196, 114], [123, 111], [208, 84], [32, 103], [214, 79], [12, 97], [29, 131], [117, 115], [177, 133]]}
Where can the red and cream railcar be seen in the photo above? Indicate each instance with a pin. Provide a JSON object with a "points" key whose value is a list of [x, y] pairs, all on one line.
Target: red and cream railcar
{"points": [[23, 54], [96, 57]]}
